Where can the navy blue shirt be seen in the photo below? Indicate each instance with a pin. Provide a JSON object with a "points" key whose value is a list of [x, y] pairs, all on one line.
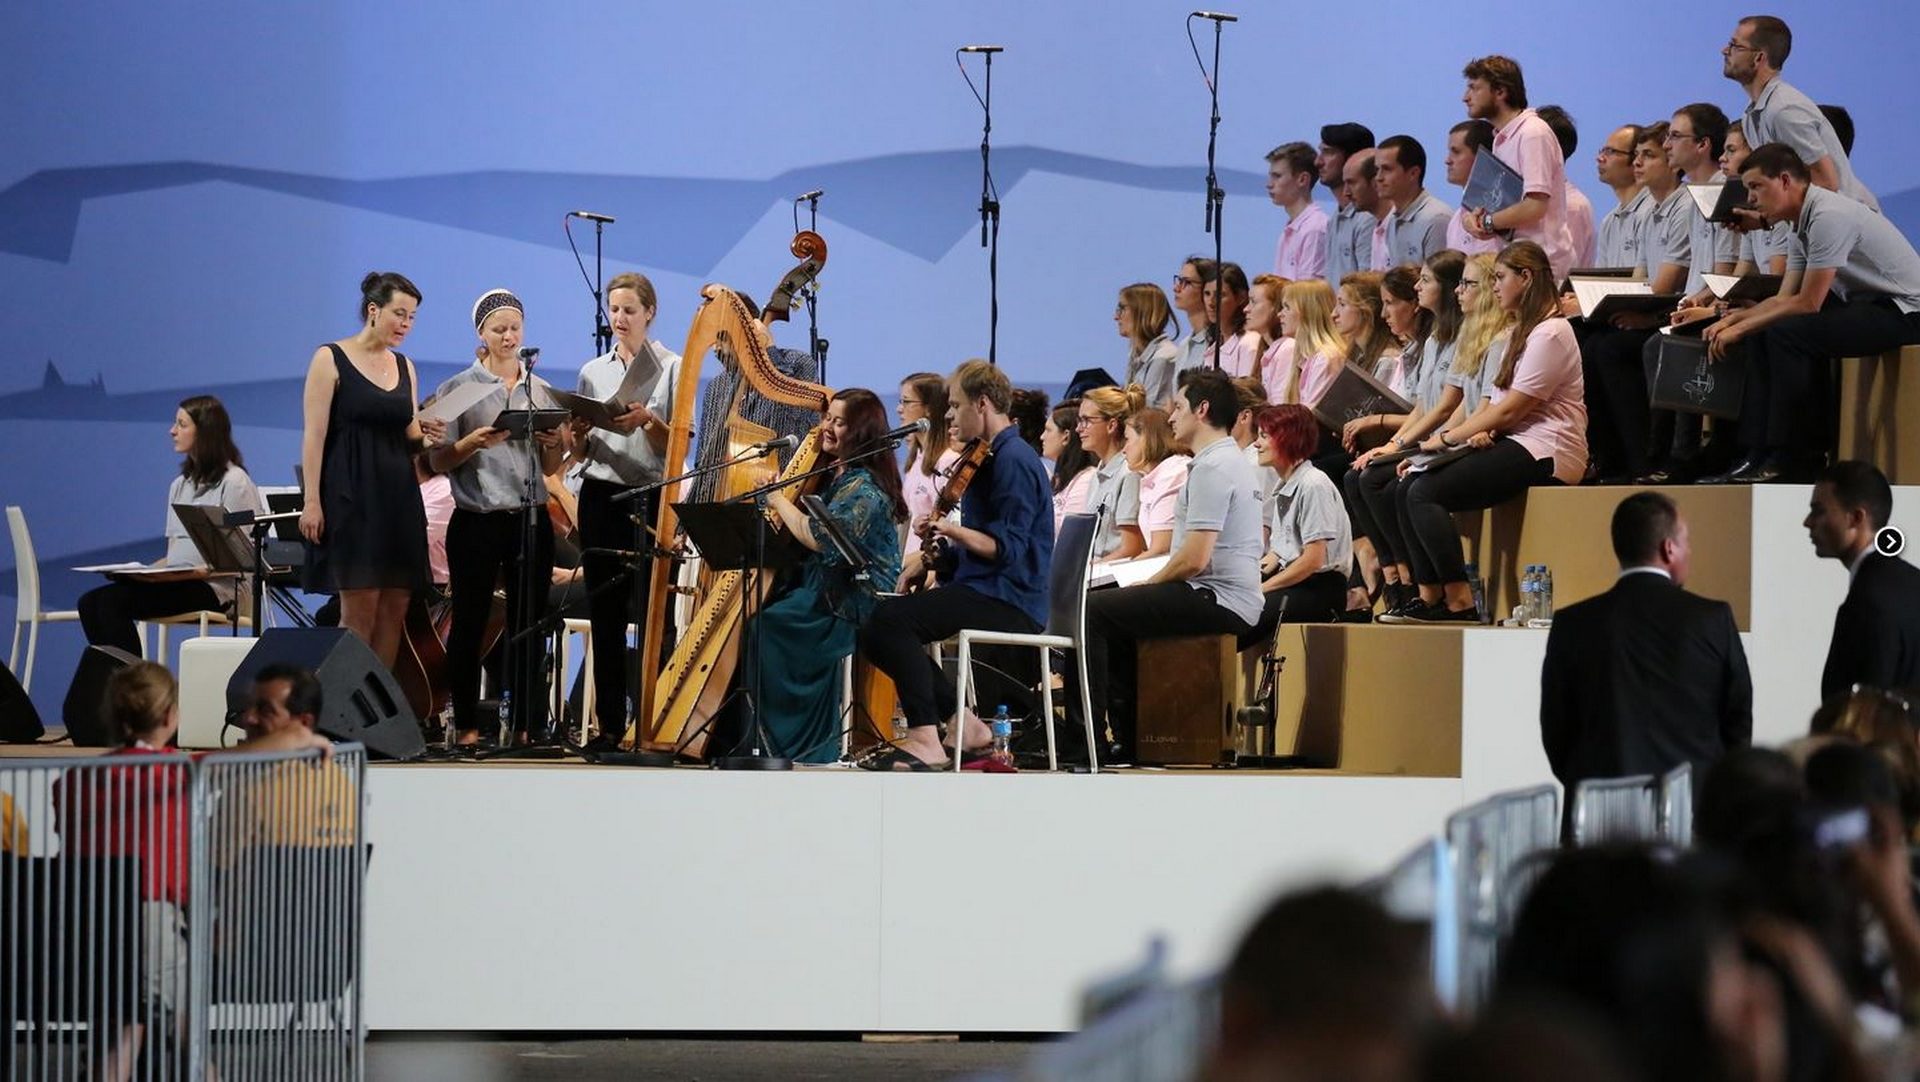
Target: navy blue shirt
{"points": [[1011, 500]]}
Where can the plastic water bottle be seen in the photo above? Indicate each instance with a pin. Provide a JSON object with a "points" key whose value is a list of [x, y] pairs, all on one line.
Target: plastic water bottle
{"points": [[1546, 592], [1529, 594], [506, 711], [1002, 752], [1479, 589]]}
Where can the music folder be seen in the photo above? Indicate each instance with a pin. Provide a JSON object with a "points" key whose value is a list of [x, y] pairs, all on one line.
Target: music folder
{"points": [[1742, 287], [1355, 393], [1718, 201], [521, 423], [643, 373], [1493, 185], [727, 535], [1566, 284]]}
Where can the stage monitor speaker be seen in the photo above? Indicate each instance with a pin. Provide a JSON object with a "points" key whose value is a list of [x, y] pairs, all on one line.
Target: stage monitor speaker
{"points": [[359, 698], [85, 709], [19, 721]]}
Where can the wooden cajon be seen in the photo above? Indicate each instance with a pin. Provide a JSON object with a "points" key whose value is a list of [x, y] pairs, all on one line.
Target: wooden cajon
{"points": [[1184, 699], [1879, 396]]}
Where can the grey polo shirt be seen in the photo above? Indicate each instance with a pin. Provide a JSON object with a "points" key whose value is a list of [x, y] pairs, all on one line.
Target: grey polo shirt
{"points": [[1867, 252], [1669, 235], [1309, 508], [1474, 388], [1191, 353], [1430, 382], [1418, 231], [1222, 494], [1759, 246], [1709, 244], [1782, 114], [495, 478], [1117, 489], [626, 459], [1153, 368], [1349, 244], [1622, 230]]}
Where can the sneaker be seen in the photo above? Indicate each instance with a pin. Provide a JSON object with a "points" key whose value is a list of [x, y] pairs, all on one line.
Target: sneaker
{"points": [[1406, 612], [1440, 614]]}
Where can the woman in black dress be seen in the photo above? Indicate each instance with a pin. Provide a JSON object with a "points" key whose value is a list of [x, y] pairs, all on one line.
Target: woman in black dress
{"points": [[362, 518]]}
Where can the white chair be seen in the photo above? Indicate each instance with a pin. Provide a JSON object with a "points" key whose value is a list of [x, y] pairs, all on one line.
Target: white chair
{"points": [[26, 573], [1066, 629], [584, 629]]}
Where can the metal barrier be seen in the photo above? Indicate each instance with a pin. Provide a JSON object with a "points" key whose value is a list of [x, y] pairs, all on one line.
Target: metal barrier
{"points": [[1490, 843], [151, 904], [1615, 810], [1419, 889], [1163, 1034], [1676, 806]]}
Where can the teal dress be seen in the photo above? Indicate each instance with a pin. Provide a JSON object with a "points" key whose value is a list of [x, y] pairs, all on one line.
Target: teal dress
{"points": [[807, 627]]}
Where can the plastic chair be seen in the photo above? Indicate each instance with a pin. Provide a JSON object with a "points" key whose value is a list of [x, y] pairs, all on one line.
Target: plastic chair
{"points": [[1066, 629], [584, 629], [27, 610]]}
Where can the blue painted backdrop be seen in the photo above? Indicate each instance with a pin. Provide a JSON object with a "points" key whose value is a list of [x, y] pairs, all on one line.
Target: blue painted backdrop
{"points": [[188, 196]]}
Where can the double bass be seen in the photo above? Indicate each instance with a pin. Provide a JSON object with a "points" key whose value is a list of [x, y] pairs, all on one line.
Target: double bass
{"points": [[701, 664]]}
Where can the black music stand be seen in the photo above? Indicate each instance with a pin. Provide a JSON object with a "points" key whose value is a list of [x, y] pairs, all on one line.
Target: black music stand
{"points": [[733, 537]]}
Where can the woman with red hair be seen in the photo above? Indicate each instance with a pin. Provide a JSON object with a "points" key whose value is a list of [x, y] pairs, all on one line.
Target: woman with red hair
{"points": [[1309, 538]]}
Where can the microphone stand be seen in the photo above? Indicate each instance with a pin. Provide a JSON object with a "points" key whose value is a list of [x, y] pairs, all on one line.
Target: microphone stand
{"points": [[1216, 198], [517, 640], [602, 330], [816, 345], [989, 210]]}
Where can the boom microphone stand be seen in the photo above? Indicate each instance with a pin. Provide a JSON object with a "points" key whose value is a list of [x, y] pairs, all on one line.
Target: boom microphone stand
{"points": [[602, 330], [1216, 198], [989, 195], [816, 345]]}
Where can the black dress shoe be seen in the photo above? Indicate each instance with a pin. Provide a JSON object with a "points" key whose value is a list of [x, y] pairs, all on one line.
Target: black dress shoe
{"points": [[1735, 474], [1440, 614], [1405, 613]]}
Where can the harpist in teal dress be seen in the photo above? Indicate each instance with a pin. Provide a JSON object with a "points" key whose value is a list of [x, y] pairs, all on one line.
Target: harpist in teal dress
{"points": [[808, 624]]}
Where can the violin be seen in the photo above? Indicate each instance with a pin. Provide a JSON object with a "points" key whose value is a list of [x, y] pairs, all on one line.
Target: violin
{"points": [[959, 475]]}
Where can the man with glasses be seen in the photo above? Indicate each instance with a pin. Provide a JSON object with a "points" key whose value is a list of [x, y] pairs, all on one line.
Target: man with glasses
{"points": [[1350, 237], [1416, 221], [1779, 113], [1302, 249], [1617, 242]]}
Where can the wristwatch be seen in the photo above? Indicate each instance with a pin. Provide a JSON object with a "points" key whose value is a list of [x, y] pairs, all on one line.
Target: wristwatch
{"points": [[1486, 220]]}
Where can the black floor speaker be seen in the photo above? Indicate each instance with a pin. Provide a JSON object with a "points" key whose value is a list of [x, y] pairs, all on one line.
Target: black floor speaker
{"points": [[359, 698], [85, 707], [19, 721]]}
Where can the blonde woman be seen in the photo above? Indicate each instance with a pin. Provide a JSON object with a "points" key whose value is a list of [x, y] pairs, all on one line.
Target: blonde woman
{"points": [[1102, 425], [1154, 454], [1306, 317], [924, 394], [1145, 319]]}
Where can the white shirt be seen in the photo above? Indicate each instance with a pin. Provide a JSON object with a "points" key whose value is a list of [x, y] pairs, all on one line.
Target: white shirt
{"points": [[627, 459]]}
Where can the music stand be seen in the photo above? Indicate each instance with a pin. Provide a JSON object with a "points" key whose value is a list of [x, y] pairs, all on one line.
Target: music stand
{"points": [[733, 537]]}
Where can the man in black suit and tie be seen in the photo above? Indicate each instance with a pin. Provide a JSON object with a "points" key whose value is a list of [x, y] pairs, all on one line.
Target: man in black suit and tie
{"points": [[1876, 634], [1646, 676]]}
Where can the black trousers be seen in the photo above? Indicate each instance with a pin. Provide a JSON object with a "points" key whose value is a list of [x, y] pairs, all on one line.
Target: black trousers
{"points": [[484, 550], [1610, 359], [1117, 620], [108, 613], [606, 525], [1480, 480], [895, 640], [1320, 598], [1372, 507], [1789, 402]]}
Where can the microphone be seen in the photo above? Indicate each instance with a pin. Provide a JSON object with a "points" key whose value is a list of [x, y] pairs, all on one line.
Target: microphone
{"points": [[814, 194], [606, 219], [904, 431], [983, 48], [1216, 16], [528, 354], [784, 443]]}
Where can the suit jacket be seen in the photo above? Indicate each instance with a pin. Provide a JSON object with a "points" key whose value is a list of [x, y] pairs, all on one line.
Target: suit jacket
{"points": [[1876, 633], [1641, 679]]}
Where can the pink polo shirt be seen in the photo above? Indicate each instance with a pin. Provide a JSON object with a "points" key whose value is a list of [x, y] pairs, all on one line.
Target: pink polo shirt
{"points": [[1549, 370], [1530, 148], [1462, 241], [1316, 373], [1302, 250], [1580, 225], [1379, 259], [921, 492], [1275, 365], [1239, 355], [1160, 493]]}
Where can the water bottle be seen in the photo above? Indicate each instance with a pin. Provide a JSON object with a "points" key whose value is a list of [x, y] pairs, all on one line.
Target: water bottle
{"points": [[1529, 595], [1002, 752], [1479, 593], [506, 712], [1546, 592]]}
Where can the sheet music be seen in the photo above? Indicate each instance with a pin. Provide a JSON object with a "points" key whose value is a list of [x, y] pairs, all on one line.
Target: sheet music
{"points": [[459, 400], [128, 566], [1128, 572], [1706, 197], [637, 386], [1589, 292], [1742, 286]]}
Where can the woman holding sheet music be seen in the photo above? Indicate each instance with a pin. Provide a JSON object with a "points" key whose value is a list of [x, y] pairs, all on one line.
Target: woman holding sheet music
{"points": [[362, 518], [1531, 431], [807, 624], [210, 475], [495, 489]]}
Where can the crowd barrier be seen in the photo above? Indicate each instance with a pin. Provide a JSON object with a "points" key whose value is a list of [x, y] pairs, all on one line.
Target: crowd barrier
{"points": [[163, 917], [1616, 810]]}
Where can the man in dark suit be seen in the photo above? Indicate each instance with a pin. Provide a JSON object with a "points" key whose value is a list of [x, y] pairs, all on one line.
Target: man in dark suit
{"points": [[1876, 634], [1645, 676]]}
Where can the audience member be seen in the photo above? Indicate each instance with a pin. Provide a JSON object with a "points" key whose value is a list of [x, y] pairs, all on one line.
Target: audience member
{"points": [[1189, 299], [1778, 112], [1073, 467], [1263, 318], [1309, 554], [1102, 425], [1146, 321], [1418, 223], [923, 395], [1580, 228], [1028, 411], [1646, 676], [1465, 141], [1301, 251], [1350, 235], [1252, 396], [1306, 317], [1359, 317], [1762, 251], [1408, 324], [1156, 454], [1239, 353], [1497, 93], [1836, 246], [1876, 633], [1618, 242]]}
